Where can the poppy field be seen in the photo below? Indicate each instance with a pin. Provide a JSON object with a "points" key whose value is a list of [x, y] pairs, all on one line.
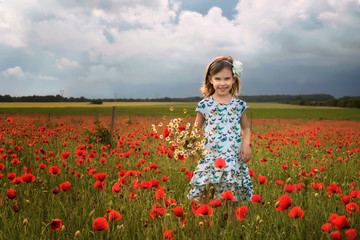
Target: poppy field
{"points": [[62, 179]]}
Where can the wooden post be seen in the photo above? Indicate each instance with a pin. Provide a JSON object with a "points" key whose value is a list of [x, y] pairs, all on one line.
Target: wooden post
{"points": [[250, 121], [112, 125]]}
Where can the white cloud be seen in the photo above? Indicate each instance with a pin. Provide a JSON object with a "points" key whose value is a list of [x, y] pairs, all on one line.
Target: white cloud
{"points": [[14, 72], [48, 78], [64, 62]]}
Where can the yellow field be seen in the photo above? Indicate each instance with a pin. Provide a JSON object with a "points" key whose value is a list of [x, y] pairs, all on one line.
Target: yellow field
{"points": [[188, 105]]}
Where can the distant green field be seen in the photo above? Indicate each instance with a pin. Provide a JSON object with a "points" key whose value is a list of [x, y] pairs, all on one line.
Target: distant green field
{"points": [[256, 110]]}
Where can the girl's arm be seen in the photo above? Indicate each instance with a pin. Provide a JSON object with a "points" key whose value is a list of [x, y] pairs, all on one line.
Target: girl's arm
{"points": [[245, 146], [199, 120]]}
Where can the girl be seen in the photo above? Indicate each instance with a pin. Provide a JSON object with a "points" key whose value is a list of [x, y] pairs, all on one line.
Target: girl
{"points": [[222, 116]]}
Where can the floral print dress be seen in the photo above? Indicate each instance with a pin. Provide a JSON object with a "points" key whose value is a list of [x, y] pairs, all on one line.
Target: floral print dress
{"points": [[222, 133]]}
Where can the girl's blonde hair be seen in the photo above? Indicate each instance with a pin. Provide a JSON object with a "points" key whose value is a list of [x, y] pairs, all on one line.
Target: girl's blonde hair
{"points": [[213, 68]]}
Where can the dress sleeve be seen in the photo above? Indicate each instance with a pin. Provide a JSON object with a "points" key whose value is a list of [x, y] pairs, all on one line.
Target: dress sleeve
{"points": [[201, 107], [243, 106]]}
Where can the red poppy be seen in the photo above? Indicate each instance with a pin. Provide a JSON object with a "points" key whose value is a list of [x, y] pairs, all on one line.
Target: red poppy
{"points": [[351, 234], [2, 166], [100, 185], [334, 188], [100, 224], [336, 235], [228, 195], [116, 187], [170, 202], [15, 161], [256, 198], [352, 207], [194, 206], [262, 179], [326, 227], [17, 180], [28, 178], [113, 215], [283, 203], [289, 188], [166, 132], [160, 193], [345, 199], [340, 222], [92, 171], [164, 178], [204, 209], [11, 193], [54, 170], [168, 234], [55, 224], [317, 186], [189, 175], [240, 212], [65, 186], [215, 203], [42, 166], [220, 163], [252, 173], [296, 212], [284, 166], [146, 184], [178, 211], [157, 212], [100, 176], [65, 155], [279, 182]]}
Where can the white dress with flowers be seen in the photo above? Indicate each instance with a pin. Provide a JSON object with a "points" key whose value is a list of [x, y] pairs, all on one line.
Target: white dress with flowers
{"points": [[222, 133]]}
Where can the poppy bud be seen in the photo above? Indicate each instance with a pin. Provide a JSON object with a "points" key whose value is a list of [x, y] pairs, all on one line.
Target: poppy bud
{"points": [[91, 213], [16, 207], [56, 190], [25, 222], [77, 234], [63, 229]]}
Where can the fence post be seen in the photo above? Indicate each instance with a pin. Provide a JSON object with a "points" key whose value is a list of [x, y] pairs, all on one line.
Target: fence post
{"points": [[250, 121], [112, 125]]}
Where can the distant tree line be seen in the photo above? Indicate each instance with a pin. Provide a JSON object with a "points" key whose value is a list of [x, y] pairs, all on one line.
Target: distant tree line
{"points": [[309, 100], [348, 102]]}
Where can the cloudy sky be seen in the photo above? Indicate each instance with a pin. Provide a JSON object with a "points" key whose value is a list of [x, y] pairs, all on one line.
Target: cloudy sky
{"points": [[159, 48]]}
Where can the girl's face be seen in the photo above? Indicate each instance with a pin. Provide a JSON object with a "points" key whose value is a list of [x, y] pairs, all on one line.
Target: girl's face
{"points": [[222, 82]]}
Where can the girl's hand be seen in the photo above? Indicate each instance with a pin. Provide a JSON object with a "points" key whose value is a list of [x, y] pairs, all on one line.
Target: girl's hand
{"points": [[245, 153]]}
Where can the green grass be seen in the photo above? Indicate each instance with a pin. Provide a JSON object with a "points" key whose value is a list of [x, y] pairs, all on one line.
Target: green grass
{"points": [[256, 110]]}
